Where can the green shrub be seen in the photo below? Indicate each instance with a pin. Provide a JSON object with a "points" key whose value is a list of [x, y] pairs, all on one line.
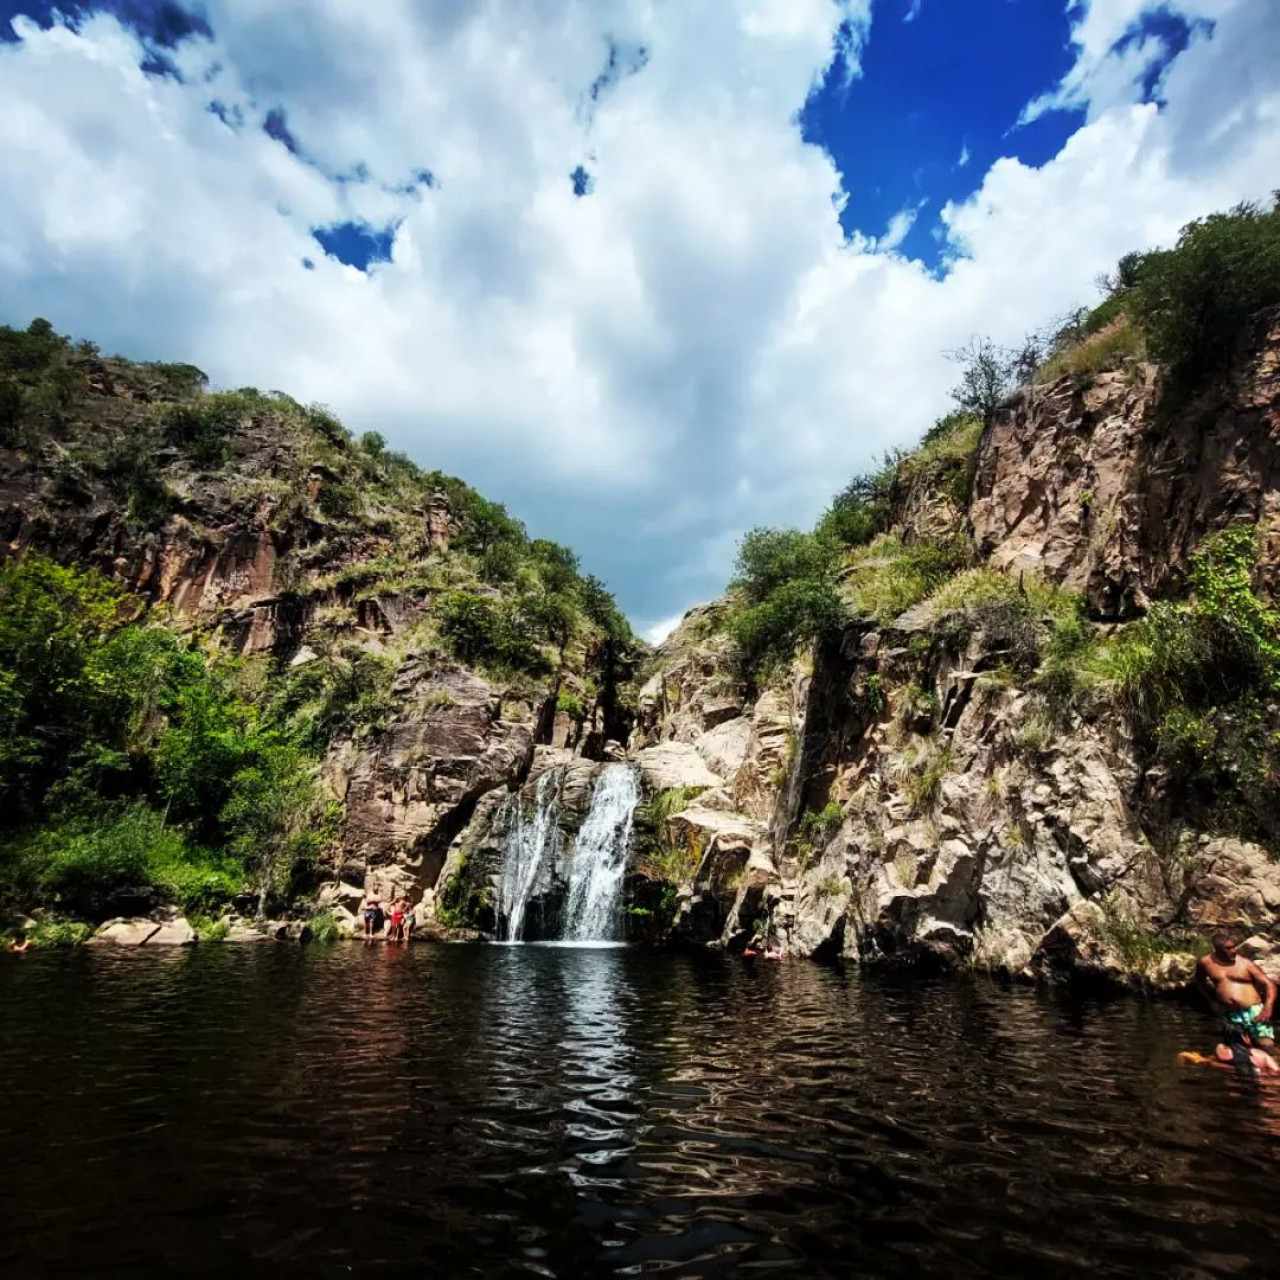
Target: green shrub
{"points": [[345, 691], [947, 459], [59, 933], [816, 827], [84, 868], [1195, 300], [203, 428], [860, 510], [570, 704], [134, 476], [786, 597], [924, 783], [887, 577], [338, 500], [490, 632], [324, 928], [177, 381], [1198, 681], [666, 804]]}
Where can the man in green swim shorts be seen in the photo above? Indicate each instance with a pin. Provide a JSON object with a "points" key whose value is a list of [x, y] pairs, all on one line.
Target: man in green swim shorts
{"points": [[1240, 992]]}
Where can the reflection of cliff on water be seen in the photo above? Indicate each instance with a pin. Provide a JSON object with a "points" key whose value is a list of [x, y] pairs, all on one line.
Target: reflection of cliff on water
{"points": [[586, 1111]]}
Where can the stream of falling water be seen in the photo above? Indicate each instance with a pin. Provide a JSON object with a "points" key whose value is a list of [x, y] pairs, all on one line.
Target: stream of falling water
{"points": [[599, 861], [600, 856], [532, 842]]}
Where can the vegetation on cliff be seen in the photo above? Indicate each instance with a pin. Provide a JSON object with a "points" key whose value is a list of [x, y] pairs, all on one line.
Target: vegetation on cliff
{"points": [[1196, 678], [154, 745]]}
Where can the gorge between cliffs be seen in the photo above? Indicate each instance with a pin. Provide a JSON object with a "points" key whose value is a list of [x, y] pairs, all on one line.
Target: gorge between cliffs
{"points": [[1010, 706], [1010, 711]]}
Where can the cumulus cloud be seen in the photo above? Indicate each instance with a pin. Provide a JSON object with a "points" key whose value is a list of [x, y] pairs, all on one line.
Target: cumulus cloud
{"points": [[689, 347]]}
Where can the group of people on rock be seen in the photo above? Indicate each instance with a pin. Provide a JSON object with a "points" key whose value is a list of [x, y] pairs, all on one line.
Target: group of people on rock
{"points": [[1245, 998], [394, 920]]}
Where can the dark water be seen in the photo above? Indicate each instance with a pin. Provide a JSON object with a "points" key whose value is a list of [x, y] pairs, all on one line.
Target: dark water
{"points": [[496, 1111]]}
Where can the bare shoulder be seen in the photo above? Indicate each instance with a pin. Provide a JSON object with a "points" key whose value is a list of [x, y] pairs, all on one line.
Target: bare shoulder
{"points": [[1205, 964]]}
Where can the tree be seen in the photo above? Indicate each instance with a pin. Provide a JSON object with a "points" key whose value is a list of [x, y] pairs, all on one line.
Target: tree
{"points": [[786, 582], [988, 374], [1195, 299]]}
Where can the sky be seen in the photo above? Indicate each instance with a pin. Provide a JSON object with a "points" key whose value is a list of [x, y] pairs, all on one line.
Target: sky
{"points": [[651, 272]]}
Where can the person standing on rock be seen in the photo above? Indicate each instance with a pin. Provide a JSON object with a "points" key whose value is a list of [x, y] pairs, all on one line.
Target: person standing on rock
{"points": [[1238, 990], [372, 913]]}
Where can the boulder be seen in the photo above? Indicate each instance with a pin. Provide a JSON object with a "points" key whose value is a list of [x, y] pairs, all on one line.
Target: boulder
{"points": [[724, 748], [126, 933], [674, 764], [1077, 945], [169, 930], [173, 932]]}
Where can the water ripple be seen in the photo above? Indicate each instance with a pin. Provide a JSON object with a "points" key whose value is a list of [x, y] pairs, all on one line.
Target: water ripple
{"points": [[566, 1112]]}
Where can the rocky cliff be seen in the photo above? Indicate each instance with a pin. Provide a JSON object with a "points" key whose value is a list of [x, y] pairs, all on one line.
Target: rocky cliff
{"points": [[942, 781], [447, 645], [1041, 737]]}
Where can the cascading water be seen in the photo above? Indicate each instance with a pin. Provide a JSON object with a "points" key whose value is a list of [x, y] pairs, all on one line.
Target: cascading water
{"points": [[532, 843], [600, 856]]}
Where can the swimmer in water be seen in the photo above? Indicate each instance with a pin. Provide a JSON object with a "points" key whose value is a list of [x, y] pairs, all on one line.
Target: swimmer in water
{"points": [[1237, 1057], [1240, 992]]}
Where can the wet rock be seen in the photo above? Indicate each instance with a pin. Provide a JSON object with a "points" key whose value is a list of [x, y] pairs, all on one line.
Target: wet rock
{"points": [[168, 930], [126, 933], [174, 931]]}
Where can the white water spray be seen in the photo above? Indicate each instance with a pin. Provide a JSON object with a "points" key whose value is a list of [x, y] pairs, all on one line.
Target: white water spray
{"points": [[600, 856], [533, 841]]}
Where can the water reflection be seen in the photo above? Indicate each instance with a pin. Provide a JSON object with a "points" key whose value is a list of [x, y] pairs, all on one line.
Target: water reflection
{"points": [[569, 1112]]}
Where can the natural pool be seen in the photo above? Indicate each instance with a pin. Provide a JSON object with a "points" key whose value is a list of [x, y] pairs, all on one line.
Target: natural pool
{"points": [[557, 1111]]}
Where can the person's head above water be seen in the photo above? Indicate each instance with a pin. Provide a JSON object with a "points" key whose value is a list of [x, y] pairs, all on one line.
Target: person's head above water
{"points": [[1224, 945]]}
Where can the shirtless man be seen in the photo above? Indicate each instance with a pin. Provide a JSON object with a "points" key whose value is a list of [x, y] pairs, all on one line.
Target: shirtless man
{"points": [[1238, 990]]}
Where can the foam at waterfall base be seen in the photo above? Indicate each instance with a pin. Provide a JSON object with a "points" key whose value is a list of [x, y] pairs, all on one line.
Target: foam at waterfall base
{"points": [[564, 944]]}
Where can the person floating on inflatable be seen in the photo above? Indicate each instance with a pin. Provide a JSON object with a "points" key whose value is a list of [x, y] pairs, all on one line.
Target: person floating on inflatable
{"points": [[759, 946], [1237, 1057]]}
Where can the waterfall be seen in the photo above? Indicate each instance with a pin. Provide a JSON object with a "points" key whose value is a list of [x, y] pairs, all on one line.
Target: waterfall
{"points": [[600, 856], [532, 843]]}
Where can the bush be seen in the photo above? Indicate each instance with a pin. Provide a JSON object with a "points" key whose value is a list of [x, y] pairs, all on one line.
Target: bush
{"points": [[324, 928], [947, 459], [570, 704], [1195, 300], [86, 868], [788, 597], [860, 510], [59, 933], [490, 633], [134, 476], [888, 576], [1198, 681], [203, 429]]}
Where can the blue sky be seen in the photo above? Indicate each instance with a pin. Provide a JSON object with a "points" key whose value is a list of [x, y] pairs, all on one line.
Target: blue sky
{"points": [[651, 273], [936, 103]]}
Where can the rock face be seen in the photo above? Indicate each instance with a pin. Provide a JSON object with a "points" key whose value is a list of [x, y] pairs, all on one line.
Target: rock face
{"points": [[1096, 488], [274, 534], [907, 798], [409, 796]]}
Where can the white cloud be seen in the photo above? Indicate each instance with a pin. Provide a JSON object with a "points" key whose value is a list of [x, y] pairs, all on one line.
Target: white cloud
{"points": [[1112, 56], [964, 156], [898, 229], [660, 630], [645, 372], [913, 10]]}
